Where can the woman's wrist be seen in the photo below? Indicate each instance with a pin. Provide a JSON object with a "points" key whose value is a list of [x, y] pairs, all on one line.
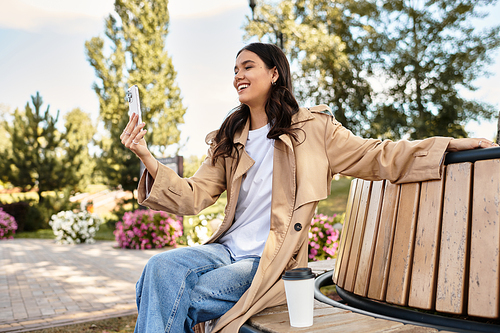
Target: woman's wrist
{"points": [[151, 164]]}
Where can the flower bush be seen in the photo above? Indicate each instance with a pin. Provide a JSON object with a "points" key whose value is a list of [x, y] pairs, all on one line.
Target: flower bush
{"points": [[75, 228], [324, 237], [8, 225], [147, 229], [202, 227]]}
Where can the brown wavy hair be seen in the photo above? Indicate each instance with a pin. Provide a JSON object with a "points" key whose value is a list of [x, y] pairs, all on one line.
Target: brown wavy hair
{"points": [[280, 106]]}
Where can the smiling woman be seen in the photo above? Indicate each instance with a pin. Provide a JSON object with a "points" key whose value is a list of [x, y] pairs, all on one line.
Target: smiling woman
{"points": [[275, 160]]}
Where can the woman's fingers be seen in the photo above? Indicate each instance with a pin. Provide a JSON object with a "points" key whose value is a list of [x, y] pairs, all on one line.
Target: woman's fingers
{"points": [[135, 136], [483, 143], [134, 118]]}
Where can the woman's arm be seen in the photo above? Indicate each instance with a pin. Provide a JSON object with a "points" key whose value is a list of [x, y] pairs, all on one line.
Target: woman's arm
{"points": [[400, 162]]}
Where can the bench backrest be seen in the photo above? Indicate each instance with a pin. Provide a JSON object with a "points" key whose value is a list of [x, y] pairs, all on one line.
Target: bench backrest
{"points": [[432, 245]]}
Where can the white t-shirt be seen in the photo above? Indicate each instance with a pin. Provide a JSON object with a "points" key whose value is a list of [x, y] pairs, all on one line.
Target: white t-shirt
{"points": [[252, 222]]}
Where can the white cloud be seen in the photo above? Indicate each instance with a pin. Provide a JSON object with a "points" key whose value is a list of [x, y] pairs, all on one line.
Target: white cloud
{"points": [[202, 8], [75, 16], [61, 16], [95, 8]]}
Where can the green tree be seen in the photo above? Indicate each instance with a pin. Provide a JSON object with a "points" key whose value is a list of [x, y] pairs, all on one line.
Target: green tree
{"points": [[40, 157], [433, 54], [4, 144], [79, 134], [39, 154], [419, 54], [329, 44], [136, 36], [192, 164]]}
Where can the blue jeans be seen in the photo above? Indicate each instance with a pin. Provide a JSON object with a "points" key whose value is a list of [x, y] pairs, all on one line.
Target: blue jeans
{"points": [[182, 287]]}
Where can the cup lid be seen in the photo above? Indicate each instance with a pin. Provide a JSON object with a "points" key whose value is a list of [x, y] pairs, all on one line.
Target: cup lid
{"points": [[298, 274]]}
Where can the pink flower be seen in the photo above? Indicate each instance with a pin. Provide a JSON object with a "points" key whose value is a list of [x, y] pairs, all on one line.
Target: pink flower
{"points": [[143, 228]]}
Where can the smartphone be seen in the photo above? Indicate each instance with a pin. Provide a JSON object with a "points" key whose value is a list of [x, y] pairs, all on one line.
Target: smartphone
{"points": [[134, 105]]}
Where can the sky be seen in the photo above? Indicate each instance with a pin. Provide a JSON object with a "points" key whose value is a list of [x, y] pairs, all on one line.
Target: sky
{"points": [[42, 50]]}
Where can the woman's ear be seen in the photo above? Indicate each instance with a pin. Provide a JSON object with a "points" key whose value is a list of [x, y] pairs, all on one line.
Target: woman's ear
{"points": [[276, 75]]}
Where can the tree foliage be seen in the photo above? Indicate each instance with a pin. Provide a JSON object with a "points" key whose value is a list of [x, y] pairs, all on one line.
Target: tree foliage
{"points": [[39, 155], [390, 68], [329, 43], [433, 55], [80, 133], [134, 53]]}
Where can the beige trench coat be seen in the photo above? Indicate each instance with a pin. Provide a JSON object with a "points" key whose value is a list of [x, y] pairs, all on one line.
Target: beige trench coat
{"points": [[302, 174]]}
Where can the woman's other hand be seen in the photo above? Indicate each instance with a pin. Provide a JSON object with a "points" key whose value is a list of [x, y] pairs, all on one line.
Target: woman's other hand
{"points": [[469, 143]]}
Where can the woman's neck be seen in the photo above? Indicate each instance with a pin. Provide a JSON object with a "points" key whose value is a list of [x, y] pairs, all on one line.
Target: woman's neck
{"points": [[258, 118]]}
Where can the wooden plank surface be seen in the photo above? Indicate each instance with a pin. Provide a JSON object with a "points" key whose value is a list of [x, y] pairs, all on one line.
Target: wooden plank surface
{"points": [[343, 234], [402, 252], [328, 319], [484, 277], [369, 239], [357, 239], [383, 248], [454, 249], [427, 237], [344, 257]]}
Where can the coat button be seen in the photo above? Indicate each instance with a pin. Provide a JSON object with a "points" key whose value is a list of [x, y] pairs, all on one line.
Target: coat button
{"points": [[297, 226]]}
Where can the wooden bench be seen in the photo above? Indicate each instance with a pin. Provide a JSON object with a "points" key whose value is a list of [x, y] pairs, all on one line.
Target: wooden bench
{"points": [[432, 245]]}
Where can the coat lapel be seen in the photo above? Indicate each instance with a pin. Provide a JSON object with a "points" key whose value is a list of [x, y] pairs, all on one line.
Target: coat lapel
{"points": [[284, 191]]}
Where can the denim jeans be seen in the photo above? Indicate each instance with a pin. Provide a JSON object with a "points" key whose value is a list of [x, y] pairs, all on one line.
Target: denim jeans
{"points": [[185, 286]]}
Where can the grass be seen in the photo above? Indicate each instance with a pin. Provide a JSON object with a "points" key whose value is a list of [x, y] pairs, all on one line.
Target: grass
{"points": [[104, 233], [123, 324], [40, 234], [336, 202]]}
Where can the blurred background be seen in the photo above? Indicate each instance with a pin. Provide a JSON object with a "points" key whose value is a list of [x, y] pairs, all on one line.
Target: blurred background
{"points": [[396, 69]]}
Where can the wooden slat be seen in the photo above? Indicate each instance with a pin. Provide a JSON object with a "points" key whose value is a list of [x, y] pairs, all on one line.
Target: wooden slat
{"points": [[383, 247], [369, 238], [402, 252], [344, 262], [357, 239], [454, 249], [484, 275], [427, 237], [345, 227]]}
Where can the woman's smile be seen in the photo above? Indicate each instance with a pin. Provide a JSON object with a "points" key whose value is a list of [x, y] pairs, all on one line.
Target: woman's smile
{"points": [[242, 87]]}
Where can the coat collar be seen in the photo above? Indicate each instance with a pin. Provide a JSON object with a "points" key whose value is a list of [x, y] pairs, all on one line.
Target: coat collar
{"points": [[304, 114]]}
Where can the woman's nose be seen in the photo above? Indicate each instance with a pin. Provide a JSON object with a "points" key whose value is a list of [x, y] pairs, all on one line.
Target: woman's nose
{"points": [[238, 76]]}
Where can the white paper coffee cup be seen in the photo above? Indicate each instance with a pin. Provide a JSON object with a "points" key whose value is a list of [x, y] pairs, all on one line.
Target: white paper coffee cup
{"points": [[299, 289]]}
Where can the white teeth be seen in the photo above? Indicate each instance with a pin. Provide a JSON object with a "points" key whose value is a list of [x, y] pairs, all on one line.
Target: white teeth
{"points": [[243, 86]]}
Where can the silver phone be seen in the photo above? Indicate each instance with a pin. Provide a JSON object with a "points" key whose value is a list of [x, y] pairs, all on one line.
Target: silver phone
{"points": [[134, 104]]}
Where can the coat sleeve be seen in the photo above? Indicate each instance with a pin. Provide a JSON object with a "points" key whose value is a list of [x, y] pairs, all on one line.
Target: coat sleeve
{"points": [[183, 196], [400, 162]]}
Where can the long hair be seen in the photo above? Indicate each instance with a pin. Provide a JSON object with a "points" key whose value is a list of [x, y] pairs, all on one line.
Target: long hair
{"points": [[280, 106]]}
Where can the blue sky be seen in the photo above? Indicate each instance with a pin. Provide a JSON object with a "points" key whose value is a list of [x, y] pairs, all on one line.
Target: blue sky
{"points": [[42, 49]]}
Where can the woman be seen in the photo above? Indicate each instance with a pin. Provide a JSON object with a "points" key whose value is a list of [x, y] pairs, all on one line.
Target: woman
{"points": [[276, 161]]}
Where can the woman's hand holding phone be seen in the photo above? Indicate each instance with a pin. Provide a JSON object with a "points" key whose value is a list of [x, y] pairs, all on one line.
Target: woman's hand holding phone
{"points": [[132, 137]]}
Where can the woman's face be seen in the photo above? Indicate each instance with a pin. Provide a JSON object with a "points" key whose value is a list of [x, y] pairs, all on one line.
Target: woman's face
{"points": [[252, 79]]}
